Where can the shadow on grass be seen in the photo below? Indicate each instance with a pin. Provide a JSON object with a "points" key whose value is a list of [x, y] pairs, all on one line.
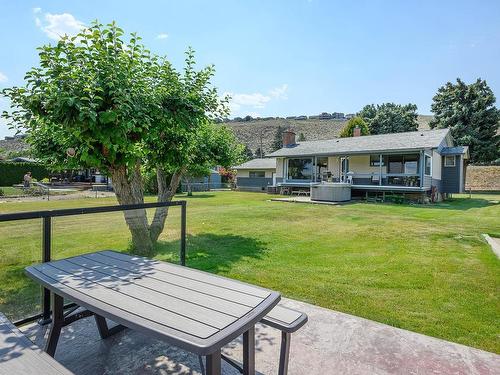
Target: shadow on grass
{"points": [[459, 204], [212, 252], [195, 195]]}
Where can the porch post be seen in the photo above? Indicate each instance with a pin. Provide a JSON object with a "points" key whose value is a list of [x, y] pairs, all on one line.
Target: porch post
{"points": [[314, 168], [380, 170], [422, 161]]}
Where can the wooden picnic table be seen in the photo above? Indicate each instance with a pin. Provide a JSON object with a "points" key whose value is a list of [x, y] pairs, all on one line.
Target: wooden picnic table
{"points": [[194, 310]]}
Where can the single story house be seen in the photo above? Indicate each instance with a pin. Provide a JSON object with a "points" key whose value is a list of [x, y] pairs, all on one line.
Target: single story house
{"points": [[419, 162], [256, 174]]}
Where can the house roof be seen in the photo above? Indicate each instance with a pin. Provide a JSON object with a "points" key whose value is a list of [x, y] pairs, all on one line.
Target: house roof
{"points": [[367, 143], [457, 150], [268, 163]]}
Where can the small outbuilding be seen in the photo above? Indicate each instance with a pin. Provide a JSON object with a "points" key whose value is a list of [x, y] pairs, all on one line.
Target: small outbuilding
{"points": [[256, 174]]}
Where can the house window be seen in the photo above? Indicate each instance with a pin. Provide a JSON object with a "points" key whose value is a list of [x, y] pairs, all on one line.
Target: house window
{"points": [[300, 169], [428, 165], [449, 161], [375, 161], [257, 174]]}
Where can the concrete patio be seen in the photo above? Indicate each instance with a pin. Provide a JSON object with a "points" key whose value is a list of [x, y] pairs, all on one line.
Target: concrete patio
{"points": [[330, 343]]}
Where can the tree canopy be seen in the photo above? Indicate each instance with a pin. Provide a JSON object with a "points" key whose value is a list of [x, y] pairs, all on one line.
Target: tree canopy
{"points": [[119, 108], [354, 122], [470, 113], [390, 118]]}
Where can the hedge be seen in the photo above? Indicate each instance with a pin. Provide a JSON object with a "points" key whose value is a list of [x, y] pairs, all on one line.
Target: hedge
{"points": [[12, 173]]}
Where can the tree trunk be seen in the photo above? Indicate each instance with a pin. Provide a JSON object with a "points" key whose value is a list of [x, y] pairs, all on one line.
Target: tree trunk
{"points": [[166, 191], [129, 190]]}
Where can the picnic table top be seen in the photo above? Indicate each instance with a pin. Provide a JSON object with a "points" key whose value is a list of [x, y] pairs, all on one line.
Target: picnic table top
{"points": [[194, 310]]}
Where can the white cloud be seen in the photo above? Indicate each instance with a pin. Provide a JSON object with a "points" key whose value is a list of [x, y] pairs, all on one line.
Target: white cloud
{"points": [[58, 25], [280, 92], [256, 100], [162, 36], [3, 77], [37, 10], [243, 104]]}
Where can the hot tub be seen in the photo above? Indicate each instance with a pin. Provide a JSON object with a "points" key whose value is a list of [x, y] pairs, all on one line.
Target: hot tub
{"points": [[331, 192]]}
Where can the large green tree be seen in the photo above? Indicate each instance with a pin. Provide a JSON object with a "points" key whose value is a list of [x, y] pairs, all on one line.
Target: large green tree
{"points": [[390, 118], [470, 112], [96, 100], [355, 122]]}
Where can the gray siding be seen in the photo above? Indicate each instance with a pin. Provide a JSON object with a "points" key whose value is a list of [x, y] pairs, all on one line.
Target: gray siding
{"points": [[427, 181], [450, 177], [253, 183], [437, 184]]}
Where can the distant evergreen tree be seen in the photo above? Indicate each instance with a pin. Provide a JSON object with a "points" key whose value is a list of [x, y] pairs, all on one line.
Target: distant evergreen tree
{"points": [[247, 153], [278, 139], [301, 138], [258, 153]]}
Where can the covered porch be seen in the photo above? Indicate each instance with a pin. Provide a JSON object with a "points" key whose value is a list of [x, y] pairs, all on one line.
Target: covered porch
{"points": [[381, 171]]}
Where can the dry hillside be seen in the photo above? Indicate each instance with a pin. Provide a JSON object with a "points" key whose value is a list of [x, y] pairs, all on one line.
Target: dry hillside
{"points": [[251, 132], [483, 178], [16, 146]]}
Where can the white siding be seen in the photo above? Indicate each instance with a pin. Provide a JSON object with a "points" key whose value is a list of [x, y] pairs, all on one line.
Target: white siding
{"points": [[279, 167], [333, 165], [436, 165], [361, 164]]}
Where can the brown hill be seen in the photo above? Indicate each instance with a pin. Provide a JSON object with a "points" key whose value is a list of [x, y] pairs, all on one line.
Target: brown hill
{"points": [[253, 132]]}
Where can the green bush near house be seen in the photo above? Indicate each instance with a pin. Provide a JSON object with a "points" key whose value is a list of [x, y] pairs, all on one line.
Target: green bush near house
{"points": [[12, 172]]}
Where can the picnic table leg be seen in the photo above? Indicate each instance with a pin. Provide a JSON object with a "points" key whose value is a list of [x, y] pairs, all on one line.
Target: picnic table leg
{"points": [[213, 363], [284, 353], [104, 330], [57, 303], [249, 352]]}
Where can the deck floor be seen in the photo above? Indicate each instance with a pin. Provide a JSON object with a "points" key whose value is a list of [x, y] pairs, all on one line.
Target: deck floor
{"points": [[330, 343]]}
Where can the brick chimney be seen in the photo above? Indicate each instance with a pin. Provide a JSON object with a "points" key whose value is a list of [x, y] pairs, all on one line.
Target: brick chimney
{"points": [[288, 138], [356, 132]]}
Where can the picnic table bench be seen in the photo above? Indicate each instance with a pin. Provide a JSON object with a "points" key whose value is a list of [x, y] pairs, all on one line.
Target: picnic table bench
{"points": [[191, 309], [18, 355]]}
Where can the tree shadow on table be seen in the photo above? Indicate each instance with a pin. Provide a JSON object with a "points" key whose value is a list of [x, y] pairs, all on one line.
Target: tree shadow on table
{"points": [[212, 252]]}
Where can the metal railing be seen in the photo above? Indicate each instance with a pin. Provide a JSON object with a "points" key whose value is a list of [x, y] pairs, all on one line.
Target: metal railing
{"points": [[47, 216]]}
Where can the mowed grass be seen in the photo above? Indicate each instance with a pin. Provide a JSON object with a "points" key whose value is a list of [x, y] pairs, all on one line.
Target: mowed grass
{"points": [[10, 191], [421, 268]]}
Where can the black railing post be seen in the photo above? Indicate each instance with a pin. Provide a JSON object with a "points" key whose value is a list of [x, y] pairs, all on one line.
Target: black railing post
{"points": [[183, 233], [46, 257]]}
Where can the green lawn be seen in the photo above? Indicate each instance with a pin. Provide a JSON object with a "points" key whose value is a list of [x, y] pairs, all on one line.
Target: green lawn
{"points": [[422, 268], [11, 191]]}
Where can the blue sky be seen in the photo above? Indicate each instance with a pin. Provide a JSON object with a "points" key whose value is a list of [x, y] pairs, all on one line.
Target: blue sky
{"points": [[286, 57]]}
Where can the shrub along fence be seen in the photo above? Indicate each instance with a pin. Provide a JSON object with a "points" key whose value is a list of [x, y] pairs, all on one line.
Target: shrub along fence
{"points": [[12, 172]]}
